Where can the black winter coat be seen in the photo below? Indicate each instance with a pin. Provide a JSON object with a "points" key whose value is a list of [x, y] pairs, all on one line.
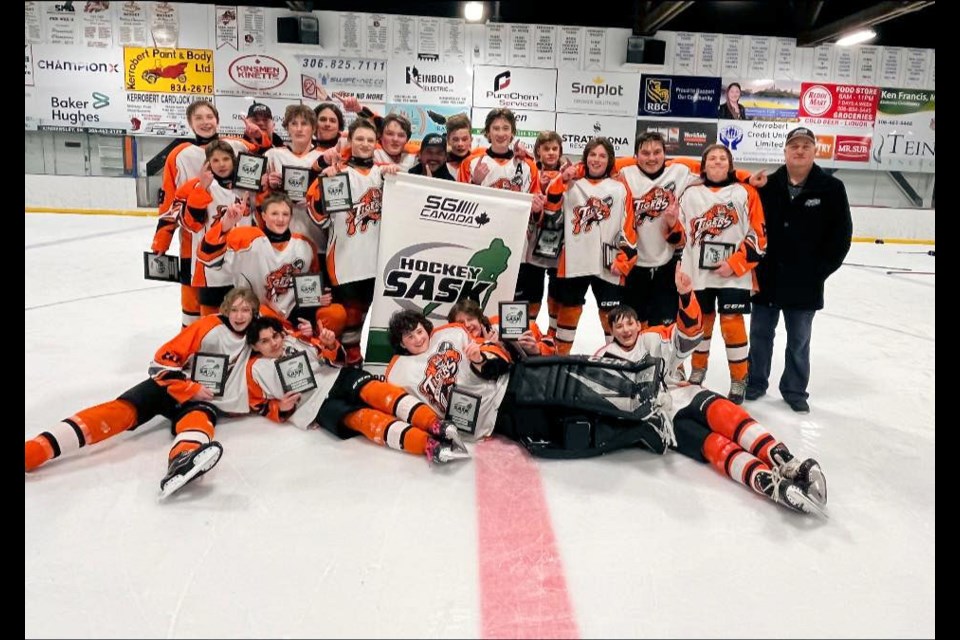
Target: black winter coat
{"points": [[807, 239]]}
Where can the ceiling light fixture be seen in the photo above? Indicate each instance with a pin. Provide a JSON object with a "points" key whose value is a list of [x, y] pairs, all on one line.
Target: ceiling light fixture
{"points": [[856, 37], [473, 11]]}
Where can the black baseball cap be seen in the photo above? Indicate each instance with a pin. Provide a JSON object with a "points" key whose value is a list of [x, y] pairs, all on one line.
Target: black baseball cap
{"points": [[259, 109], [433, 140], [800, 132]]}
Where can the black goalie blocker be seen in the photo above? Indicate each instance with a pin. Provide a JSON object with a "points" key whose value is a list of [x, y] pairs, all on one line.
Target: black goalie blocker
{"points": [[578, 406]]}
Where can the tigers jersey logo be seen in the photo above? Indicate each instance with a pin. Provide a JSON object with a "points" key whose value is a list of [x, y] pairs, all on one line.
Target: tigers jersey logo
{"points": [[440, 375], [505, 184], [279, 281], [650, 205], [713, 222], [591, 213], [365, 211]]}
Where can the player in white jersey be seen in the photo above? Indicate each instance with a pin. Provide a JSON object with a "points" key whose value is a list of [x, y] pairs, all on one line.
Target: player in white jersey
{"points": [[556, 407], [656, 186], [499, 167], [482, 329], [171, 392], [395, 146], [206, 199], [707, 426], [183, 163], [266, 259], [354, 234], [545, 235], [431, 361], [345, 401], [599, 239], [300, 122], [726, 239]]}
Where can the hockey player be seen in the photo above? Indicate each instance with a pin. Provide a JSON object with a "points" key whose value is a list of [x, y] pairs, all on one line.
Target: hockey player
{"points": [[499, 167], [556, 407], [267, 259], [206, 199], [599, 240], [345, 401], [299, 121], [707, 426], [182, 164], [656, 187], [459, 141], [482, 329], [170, 392], [726, 238], [354, 235], [395, 147], [542, 255]]}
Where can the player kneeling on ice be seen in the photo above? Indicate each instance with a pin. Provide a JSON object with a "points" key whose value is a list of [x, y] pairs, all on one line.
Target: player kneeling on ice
{"points": [[214, 345], [709, 427], [300, 380]]}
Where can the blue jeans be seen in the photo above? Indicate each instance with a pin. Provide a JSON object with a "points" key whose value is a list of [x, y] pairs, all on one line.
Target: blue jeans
{"points": [[796, 369]]}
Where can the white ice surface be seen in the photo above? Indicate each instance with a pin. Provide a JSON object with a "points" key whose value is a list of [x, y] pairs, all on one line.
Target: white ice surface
{"points": [[297, 534]]}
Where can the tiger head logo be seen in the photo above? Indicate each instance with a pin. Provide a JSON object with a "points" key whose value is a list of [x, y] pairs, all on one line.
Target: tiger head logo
{"points": [[713, 222], [505, 184], [280, 281], [440, 375], [650, 205], [591, 213], [365, 211]]}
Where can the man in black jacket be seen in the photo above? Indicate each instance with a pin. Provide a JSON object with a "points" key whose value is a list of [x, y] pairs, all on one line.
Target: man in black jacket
{"points": [[808, 235]]}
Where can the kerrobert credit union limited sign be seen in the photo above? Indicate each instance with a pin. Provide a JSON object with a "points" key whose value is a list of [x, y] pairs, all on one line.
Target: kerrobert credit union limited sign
{"points": [[168, 70]]}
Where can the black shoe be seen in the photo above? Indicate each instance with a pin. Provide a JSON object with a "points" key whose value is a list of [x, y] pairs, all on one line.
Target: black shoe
{"points": [[800, 406], [754, 393]]}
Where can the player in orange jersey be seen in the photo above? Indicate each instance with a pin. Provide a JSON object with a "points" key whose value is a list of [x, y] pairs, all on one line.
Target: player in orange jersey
{"points": [[170, 392]]}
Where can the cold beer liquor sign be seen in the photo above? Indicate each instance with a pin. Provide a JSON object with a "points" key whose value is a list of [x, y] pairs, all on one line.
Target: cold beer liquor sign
{"points": [[168, 70]]}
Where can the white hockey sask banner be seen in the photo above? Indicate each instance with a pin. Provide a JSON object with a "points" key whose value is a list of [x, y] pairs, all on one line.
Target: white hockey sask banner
{"points": [[442, 241]]}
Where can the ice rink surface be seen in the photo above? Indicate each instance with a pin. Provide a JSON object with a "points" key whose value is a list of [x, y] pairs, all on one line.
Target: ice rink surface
{"points": [[298, 534]]}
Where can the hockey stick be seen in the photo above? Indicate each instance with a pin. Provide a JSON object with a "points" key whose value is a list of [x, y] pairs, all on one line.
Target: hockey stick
{"points": [[875, 266], [913, 273], [929, 252]]}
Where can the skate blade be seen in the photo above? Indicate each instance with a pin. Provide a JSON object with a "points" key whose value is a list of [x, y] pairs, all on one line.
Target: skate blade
{"points": [[817, 488], [203, 462], [811, 507]]}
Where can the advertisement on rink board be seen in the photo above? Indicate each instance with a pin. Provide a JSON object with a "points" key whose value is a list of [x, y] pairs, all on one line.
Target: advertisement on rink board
{"points": [[679, 96], [157, 70], [577, 129], [159, 114], [515, 88], [599, 92], [442, 241], [258, 74], [321, 78], [683, 138], [529, 125], [75, 109], [904, 136], [754, 141], [415, 81]]}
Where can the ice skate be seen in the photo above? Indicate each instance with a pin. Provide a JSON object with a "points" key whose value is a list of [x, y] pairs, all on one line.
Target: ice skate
{"points": [[188, 466]]}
